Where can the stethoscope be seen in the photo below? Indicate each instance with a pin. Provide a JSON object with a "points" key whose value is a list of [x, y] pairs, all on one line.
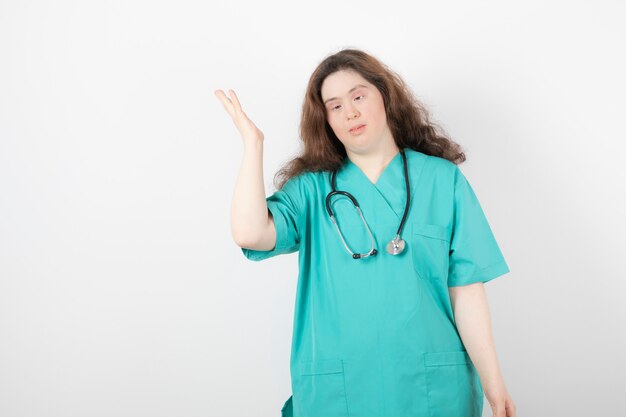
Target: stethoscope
{"points": [[397, 244]]}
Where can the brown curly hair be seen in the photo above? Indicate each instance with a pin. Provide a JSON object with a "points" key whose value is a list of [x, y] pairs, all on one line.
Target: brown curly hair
{"points": [[408, 119]]}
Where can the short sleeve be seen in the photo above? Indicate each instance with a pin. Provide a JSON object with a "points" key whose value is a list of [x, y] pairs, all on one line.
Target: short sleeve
{"points": [[474, 252], [286, 208]]}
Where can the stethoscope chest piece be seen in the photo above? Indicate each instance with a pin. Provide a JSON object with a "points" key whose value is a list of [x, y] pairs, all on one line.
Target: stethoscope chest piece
{"points": [[395, 246]]}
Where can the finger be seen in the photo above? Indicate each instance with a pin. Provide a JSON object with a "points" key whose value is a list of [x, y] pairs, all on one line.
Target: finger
{"points": [[222, 97], [226, 102], [499, 410], [494, 409], [510, 409], [235, 100]]}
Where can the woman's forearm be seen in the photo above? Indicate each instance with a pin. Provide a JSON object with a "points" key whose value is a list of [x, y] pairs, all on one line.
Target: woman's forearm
{"points": [[471, 312], [251, 225], [249, 215]]}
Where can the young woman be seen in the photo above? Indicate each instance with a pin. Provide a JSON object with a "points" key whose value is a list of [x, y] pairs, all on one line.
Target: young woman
{"points": [[391, 317]]}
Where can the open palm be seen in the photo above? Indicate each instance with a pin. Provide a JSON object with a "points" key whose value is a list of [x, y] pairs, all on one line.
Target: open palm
{"points": [[247, 129]]}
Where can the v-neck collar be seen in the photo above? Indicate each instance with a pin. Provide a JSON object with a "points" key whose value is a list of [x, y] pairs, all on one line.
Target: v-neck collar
{"points": [[397, 159], [390, 184]]}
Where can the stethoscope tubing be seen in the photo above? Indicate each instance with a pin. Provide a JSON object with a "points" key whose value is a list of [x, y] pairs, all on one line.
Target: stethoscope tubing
{"points": [[334, 191]]}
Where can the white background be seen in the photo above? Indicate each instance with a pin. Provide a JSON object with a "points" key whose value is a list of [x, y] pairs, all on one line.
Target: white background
{"points": [[121, 290]]}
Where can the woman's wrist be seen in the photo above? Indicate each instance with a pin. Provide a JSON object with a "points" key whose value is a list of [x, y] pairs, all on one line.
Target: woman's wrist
{"points": [[494, 380], [253, 144]]}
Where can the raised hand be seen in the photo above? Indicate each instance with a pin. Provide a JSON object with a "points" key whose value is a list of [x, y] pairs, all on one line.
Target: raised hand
{"points": [[247, 129]]}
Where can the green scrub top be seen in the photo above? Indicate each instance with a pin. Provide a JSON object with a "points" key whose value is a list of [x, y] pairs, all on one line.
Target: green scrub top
{"points": [[376, 337]]}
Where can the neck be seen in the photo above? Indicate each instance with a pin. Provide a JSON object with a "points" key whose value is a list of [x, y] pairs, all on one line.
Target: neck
{"points": [[374, 162], [374, 159]]}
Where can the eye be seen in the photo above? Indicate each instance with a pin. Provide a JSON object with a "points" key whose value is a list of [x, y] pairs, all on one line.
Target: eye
{"points": [[361, 97], [336, 107]]}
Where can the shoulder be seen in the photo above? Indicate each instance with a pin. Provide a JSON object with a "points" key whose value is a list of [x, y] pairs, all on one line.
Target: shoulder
{"points": [[442, 164], [304, 186], [434, 166], [303, 181]]}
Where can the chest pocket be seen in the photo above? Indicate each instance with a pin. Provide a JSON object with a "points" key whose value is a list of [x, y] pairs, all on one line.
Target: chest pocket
{"points": [[430, 250]]}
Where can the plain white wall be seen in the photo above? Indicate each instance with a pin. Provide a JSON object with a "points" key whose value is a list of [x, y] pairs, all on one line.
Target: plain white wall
{"points": [[121, 290]]}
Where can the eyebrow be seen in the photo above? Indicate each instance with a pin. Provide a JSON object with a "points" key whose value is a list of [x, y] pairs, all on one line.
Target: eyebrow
{"points": [[351, 90]]}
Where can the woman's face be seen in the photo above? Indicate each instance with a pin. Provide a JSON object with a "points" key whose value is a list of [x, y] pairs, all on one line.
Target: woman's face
{"points": [[355, 110]]}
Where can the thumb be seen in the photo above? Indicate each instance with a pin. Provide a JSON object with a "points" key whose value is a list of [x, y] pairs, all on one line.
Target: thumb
{"points": [[497, 409]]}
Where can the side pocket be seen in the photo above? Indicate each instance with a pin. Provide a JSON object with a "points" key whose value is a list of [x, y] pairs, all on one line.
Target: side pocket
{"points": [[430, 250], [319, 389], [453, 385]]}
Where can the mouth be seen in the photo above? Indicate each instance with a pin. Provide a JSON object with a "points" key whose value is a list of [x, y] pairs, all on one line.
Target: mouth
{"points": [[357, 129]]}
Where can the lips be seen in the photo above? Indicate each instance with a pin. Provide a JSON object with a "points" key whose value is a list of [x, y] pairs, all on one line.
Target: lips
{"points": [[357, 129]]}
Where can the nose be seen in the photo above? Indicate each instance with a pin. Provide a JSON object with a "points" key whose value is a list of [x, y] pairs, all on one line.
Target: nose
{"points": [[353, 113]]}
